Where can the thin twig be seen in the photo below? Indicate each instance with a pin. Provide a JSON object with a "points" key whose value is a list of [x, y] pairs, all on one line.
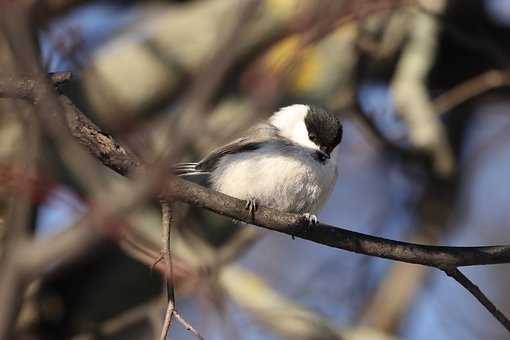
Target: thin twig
{"points": [[471, 88], [170, 311], [457, 275], [166, 216], [187, 325]]}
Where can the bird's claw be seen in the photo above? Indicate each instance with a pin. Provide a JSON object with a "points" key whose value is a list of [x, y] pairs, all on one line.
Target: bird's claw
{"points": [[311, 219], [251, 206]]}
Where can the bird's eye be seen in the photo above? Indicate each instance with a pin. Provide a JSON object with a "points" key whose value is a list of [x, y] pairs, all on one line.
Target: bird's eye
{"points": [[320, 157], [312, 137]]}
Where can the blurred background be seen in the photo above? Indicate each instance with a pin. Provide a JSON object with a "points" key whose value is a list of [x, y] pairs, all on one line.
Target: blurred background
{"points": [[422, 90]]}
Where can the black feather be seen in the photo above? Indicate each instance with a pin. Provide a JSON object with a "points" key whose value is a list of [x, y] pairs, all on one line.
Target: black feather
{"points": [[324, 129]]}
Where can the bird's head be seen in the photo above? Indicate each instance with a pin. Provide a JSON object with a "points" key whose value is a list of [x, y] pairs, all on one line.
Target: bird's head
{"points": [[309, 126]]}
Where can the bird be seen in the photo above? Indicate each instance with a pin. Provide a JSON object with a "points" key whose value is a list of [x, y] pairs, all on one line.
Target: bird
{"points": [[288, 162]]}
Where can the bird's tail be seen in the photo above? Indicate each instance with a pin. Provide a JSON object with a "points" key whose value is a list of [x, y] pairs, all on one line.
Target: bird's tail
{"points": [[188, 169]]}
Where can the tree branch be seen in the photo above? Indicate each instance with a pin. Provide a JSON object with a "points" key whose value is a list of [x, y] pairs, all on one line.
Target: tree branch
{"points": [[23, 87], [166, 216], [479, 295], [98, 143], [296, 225], [171, 311], [471, 88]]}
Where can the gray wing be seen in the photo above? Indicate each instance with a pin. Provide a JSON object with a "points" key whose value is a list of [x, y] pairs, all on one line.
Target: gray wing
{"points": [[253, 139]]}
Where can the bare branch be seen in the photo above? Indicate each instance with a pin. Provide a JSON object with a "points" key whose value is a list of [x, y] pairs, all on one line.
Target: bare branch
{"points": [[166, 216], [296, 225], [23, 87], [457, 275], [98, 143], [170, 312], [187, 325], [471, 88]]}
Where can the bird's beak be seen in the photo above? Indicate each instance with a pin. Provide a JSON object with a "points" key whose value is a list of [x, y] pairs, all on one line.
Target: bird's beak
{"points": [[325, 153]]}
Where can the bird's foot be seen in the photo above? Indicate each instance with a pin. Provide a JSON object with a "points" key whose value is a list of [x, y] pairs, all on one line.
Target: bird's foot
{"points": [[251, 206], [311, 219]]}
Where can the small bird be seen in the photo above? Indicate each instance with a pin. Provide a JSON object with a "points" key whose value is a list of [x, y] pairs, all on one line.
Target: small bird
{"points": [[287, 163]]}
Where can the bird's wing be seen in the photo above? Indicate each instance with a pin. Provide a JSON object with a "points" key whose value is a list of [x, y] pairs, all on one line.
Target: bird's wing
{"points": [[254, 138]]}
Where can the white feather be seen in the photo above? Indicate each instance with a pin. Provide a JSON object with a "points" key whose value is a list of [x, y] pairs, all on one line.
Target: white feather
{"points": [[290, 120]]}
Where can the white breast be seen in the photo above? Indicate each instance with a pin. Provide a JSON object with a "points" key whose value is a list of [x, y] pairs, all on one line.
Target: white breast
{"points": [[286, 179]]}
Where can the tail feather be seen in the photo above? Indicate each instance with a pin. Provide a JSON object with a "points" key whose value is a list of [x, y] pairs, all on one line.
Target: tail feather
{"points": [[188, 169]]}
